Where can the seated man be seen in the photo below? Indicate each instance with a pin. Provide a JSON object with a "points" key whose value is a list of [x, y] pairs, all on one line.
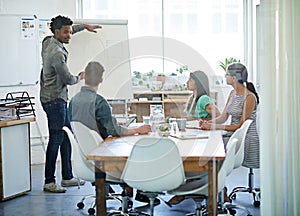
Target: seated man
{"points": [[93, 110]]}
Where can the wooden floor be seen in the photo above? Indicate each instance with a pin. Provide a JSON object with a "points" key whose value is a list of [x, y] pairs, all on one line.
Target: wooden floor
{"points": [[40, 203]]}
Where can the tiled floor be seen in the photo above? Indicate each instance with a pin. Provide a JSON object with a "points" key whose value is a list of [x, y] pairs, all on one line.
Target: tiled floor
{"points": [[40, 203]]}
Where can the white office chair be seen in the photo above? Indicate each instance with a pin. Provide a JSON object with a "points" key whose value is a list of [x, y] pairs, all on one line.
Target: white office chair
{"points": [[154, 166], [84, 142], [241, 134], [199, 188], [81, 167], [88, 140]]}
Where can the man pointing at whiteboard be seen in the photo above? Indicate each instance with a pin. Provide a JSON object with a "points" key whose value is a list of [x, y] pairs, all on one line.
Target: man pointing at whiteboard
{"points": [[55, 76]]}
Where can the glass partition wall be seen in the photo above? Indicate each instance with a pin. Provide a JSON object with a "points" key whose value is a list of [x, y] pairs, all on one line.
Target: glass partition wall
{"points": [[178, 37]]}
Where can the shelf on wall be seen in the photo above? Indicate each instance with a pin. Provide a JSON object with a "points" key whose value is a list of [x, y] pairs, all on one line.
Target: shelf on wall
{"points": [[173, 102]]}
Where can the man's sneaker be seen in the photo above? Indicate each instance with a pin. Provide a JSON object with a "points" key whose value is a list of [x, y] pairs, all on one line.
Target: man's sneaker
{"points": [[54, 188], [72, 182]]}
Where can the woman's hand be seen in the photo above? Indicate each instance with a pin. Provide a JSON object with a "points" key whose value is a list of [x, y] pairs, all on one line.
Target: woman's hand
{"points": [[202, 122], [206, 126]]}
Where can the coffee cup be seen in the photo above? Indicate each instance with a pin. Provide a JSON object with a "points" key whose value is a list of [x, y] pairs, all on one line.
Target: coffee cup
{"points": [[181, 123], [146, 119]]}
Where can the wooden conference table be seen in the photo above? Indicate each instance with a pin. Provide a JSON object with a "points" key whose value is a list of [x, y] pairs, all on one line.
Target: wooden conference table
{"points": [[198, 155]]}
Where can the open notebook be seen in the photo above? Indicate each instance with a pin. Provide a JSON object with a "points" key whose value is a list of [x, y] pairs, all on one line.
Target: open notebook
{"points": [[194, 124], [195, 134]]}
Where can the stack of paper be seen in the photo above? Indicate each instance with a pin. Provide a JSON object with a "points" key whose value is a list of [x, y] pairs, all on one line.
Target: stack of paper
{"points": [[7, 113], [193, 124]]}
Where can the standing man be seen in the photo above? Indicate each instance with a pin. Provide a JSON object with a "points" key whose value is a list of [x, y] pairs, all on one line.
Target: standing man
{"points": [[55, 76]]}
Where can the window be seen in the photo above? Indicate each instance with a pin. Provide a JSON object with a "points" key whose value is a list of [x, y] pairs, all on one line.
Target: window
{"points": [[103, 6], [216, 23], [213, 28], [192, 23], [231, 22], [176, 23]]}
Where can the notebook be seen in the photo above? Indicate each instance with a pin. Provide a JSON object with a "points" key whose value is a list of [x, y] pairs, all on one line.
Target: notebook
{"points": [[194, 124], [192, 135]]}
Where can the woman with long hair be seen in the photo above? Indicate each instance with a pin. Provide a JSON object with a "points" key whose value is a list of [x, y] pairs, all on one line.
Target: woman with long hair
{"points": [[241, 105], [199, 104]]}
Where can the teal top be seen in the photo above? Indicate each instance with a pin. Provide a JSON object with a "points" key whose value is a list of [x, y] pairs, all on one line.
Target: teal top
{"points": [[200, 111]]}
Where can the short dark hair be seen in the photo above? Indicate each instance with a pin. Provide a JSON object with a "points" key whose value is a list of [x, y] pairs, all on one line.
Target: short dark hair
{"points": [[93, 73], [59, 21]]}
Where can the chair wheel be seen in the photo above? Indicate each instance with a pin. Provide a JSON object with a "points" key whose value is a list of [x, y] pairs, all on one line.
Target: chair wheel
{"points": [[233, 196], [256, 203], [232, 211], [80, 205], [130, 203], [91, 211]]}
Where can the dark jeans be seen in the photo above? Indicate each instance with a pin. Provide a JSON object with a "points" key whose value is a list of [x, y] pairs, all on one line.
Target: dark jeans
{"points": [[57, 118]]}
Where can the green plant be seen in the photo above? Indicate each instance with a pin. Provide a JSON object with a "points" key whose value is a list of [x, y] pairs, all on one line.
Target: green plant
{"points": [[150, 73], [137, 74], [182, 69], [164, 127], [228, 61]]}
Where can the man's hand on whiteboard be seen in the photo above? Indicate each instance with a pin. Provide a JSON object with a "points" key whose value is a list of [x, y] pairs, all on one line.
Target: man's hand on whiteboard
{"points": [[81, 75], [92, 28]]}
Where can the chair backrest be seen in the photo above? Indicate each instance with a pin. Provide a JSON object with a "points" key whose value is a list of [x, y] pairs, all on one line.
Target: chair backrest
{"points": [[84, 138], [89, 139], [240, 134], [228, 163], [154, 165], [82, 168], [201, 186]]}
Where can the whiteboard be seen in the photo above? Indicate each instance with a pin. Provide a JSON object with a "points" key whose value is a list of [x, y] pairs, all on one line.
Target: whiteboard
{"points": [[110, 47], [19, 52]]}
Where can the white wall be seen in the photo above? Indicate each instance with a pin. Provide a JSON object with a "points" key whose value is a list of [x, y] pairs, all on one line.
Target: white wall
{"points": [[42, 9]]}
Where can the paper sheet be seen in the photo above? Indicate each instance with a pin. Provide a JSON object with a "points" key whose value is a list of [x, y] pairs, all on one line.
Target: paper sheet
{"points": [[194, 124]]}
